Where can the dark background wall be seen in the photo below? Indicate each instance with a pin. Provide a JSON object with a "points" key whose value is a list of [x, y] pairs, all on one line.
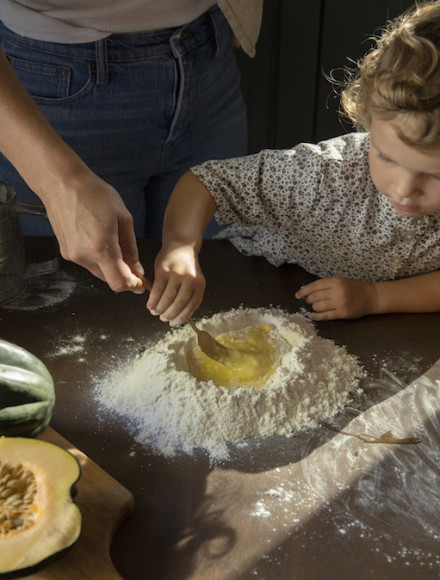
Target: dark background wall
{"points": [[288, 97]]}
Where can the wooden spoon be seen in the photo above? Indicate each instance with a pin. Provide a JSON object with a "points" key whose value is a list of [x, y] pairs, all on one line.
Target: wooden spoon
{"points": [[206, 342]]}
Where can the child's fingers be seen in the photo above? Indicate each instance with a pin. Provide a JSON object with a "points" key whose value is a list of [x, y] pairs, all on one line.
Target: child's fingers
{"points": [[313, 293], [184, 314], [178, 301], [319, 295], [325, 315], [309, 289], [167, 294], [175, 309], [302, 292], [156, 294], [182, 308]]}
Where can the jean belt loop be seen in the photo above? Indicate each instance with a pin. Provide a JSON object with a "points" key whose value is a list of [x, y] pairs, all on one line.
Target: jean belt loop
{"points": [[175, 44], [101, 63]]}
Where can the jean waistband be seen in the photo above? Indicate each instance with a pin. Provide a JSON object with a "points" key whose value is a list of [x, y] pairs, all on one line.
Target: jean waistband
{"points": [[139, 45]]}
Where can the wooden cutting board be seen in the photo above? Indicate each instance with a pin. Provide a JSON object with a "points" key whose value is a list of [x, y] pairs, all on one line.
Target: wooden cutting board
{"points": [[104, 503]]}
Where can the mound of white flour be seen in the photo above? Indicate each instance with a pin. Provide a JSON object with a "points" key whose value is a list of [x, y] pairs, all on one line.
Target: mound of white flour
{"points": [[171, 411]]}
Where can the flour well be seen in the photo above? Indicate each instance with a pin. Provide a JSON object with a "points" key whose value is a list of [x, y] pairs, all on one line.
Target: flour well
{"points": [[172, 411]]}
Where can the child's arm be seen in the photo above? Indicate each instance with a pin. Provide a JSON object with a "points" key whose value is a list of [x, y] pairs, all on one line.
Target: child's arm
{"points": [[333, 298], [178, 281]]}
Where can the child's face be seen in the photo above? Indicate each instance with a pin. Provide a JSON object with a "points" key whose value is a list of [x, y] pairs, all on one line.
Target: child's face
{"points": [[408, 177]]}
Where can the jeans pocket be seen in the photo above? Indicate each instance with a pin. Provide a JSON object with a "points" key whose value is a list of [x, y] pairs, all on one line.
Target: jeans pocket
{"points": [[47, 82]]}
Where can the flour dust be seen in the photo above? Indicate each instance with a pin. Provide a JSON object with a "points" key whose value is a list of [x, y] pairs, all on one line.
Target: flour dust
{"points": [[168, 409]]}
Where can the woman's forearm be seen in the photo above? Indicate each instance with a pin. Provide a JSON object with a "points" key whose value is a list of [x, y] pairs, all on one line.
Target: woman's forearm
{"points": [[27, 139]]}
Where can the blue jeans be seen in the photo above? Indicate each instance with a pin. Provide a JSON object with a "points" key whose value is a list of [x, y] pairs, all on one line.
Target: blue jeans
{"points": [[139, 109]]}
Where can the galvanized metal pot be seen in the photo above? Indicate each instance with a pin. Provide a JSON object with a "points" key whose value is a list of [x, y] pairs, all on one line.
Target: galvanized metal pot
{"points": [[12, 256]]}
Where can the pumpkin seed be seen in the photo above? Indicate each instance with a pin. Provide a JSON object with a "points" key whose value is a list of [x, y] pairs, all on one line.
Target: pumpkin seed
{"points": [[17, 493]]}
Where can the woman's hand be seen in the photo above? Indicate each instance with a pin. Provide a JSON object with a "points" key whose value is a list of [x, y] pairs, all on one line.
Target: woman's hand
{"points": [[333, 298], [178, 284], [95, 230]]}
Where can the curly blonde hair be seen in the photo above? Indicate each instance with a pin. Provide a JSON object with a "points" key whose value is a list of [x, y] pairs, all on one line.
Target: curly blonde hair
{"points": [[401, 74]]}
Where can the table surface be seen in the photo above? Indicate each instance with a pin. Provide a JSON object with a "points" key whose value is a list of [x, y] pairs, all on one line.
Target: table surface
{"points": [[317, 505]]}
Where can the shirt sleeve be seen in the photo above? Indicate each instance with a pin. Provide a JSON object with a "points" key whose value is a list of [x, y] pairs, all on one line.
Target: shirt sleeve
{"points": [[244, 17], [272, 188]]}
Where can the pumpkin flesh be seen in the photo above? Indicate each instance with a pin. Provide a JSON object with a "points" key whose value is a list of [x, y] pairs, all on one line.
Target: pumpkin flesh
{"points": [[50, 522]]}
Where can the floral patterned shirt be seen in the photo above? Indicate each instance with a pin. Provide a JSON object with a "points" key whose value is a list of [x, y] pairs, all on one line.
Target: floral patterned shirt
{"points": [[316, 206]]}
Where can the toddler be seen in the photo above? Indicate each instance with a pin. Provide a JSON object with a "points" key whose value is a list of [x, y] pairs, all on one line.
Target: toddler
{"points": [[360, 211]]}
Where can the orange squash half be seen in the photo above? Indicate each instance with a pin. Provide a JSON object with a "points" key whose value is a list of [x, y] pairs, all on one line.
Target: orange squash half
{"points": [[38, 518]]}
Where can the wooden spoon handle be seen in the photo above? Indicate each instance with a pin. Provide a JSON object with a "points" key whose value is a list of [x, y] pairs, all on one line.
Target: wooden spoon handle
{"points": [[191, 322], [147, 284]]}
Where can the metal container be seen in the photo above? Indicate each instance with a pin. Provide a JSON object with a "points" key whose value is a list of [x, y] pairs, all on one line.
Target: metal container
{"points": [[12, 256]]}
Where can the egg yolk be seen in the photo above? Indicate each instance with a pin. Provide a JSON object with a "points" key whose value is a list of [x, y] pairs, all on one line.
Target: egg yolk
{"points": [[255, 355]]}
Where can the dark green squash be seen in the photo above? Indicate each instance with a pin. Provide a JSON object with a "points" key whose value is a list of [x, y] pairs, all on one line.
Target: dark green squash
{"points": [[38, 518], [27, 393]]}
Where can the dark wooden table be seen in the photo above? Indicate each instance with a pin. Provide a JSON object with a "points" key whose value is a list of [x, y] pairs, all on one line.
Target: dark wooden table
{"points": [[318, 505]]}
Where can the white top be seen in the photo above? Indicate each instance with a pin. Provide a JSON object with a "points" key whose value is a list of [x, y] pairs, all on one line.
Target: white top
{"points": [[74, 21], [316, 206]]}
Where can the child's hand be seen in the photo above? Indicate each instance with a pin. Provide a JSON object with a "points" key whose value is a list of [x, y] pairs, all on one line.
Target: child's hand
{"points": [[178, 284], [333, 298]]}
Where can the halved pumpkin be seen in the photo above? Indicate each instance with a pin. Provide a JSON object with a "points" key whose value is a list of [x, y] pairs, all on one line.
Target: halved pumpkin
{"points": [[38, 518]]}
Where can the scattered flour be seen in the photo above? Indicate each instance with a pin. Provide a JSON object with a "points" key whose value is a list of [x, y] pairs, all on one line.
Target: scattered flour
{"points": [[172, 411], [43, 292], [263, 510], [74, 345]]}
